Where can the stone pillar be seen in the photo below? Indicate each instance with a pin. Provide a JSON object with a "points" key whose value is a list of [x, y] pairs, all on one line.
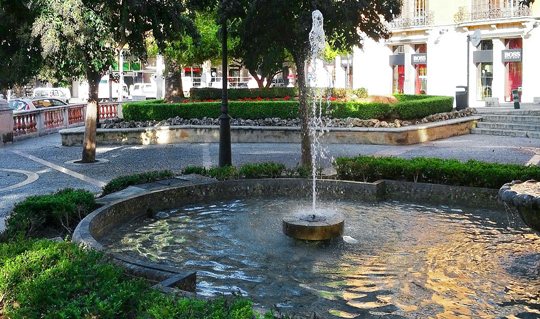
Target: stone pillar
{"points": [[6, 123], [499, 70], [410, 70]]}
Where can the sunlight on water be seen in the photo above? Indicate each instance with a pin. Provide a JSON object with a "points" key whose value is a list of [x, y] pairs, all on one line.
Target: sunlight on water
{"points": [[408, 261]]}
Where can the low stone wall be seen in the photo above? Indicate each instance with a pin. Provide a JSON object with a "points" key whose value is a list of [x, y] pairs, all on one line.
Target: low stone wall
{"points": [[108, 218], [413, 134]]}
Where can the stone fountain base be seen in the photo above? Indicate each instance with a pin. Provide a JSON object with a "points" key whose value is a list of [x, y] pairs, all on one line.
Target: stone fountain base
{"points": [[525, 196], [314, 226]]}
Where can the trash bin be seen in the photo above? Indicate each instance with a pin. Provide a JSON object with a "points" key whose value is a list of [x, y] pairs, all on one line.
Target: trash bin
{"points": [[515, 98], [462, 97]]}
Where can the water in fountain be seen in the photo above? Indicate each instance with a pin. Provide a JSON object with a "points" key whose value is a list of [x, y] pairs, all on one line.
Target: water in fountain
{"points": [[316, 224], [317, 125]]}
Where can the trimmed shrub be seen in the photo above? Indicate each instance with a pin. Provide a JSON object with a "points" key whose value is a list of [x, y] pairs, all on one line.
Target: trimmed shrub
{"points": [[433, 170], [363, 111], [122, 182], [415, 108], [261, 170], [57, 214], [241, 93], [45, 279], [409, 108], [142, 111]]}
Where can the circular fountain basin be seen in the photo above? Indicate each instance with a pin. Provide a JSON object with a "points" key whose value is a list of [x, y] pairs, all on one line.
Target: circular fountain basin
{"points": [[396, 259], [525, 197], [314, 225]]}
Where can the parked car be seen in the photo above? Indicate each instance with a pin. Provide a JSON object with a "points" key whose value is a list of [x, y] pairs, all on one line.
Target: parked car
{"points": [[140, 91], [103, 89], [62, 94], [33, 104]]}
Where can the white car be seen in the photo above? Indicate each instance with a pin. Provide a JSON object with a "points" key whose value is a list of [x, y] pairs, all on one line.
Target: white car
{"points": [[62, 94], [33, 104], [143, 91]]}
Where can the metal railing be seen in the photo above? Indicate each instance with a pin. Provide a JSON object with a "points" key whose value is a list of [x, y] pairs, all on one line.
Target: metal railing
{"points": [[484, 12], [52, 119], [417, 20]]}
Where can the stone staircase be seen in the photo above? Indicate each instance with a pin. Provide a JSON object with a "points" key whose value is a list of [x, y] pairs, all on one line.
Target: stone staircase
{"points": [[509, 122]]}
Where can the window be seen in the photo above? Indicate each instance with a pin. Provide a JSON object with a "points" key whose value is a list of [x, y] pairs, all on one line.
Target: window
{"points": [[421, 71], [485, 80], [486, 45]]}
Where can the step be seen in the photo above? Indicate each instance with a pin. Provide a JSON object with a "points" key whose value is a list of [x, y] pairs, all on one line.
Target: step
{"points": [[483, 112], [511, 118], [512, 133], [509, 126]]}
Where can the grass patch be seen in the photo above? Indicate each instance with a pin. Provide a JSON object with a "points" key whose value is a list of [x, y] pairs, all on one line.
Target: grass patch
{"points": [[45, 279]]}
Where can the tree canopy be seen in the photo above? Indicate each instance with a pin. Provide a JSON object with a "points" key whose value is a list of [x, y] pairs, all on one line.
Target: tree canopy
{"points": [[20, 55], [285, 24]]}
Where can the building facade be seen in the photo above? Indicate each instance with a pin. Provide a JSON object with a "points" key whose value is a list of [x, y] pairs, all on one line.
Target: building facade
{"points": [[493, 46]]}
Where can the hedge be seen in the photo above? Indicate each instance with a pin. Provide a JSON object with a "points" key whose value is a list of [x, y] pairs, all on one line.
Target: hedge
{"points": [[240, 93], [409, 109], [275, 92], [56, 214], [413, 108], [433, 170]]}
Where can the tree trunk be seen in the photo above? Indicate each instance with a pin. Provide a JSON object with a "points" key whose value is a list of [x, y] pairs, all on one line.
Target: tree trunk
{"points": [[174, 90], [258, 79], [91, 119], [303, 112]]}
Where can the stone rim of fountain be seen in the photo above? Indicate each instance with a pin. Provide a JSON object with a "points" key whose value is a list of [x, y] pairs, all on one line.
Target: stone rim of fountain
{"points": [[110, 217], [525, 197]]}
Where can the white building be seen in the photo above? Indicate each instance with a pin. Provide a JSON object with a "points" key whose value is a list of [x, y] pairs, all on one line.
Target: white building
{"points": [[435, 43]]}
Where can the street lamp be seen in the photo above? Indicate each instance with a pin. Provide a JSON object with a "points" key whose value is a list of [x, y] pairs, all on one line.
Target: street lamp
{"points": [[224, 119]]}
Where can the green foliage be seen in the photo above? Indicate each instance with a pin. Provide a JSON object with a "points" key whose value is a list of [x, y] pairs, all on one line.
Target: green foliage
{"points": [[408, 109], [362, 110], [261, 170], [142, 111], [203, 94], [58, 213], [119, 183], [223, 173], [419, 106], [349, 94], [195, 170], [45, 279], [433, 170], [20, 55]]}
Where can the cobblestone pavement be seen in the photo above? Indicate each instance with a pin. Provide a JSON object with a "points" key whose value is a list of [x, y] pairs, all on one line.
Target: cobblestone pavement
{"points": [[42, 165]]}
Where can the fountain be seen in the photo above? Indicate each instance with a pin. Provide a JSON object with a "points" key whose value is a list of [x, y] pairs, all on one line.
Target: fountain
{"points": [[414, 252], [315, 224]]}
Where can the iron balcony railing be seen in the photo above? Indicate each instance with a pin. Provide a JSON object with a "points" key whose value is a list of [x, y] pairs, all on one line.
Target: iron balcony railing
{"points": [[416, 20], [491, 13]]}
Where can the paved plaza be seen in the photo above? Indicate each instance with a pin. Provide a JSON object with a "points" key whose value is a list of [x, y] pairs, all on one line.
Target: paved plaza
{"points": [[42, 165]]}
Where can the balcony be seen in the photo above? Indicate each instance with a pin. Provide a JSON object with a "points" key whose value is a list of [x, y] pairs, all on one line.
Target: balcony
{"points": [[491, 13], [417, 20]]}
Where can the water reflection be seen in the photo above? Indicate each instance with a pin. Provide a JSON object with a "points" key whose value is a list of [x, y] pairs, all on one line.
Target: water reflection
{"points": [[408, 261]]}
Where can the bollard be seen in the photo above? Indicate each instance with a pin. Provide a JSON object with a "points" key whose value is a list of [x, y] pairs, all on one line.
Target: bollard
{"points": [[515, 98]]}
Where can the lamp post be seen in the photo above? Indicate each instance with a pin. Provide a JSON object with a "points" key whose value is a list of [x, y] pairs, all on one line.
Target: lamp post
{"points": [[224, 119]]}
